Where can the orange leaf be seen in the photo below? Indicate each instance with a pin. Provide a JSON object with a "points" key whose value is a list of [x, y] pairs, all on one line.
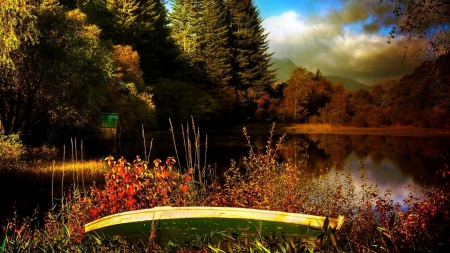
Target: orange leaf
{"points": [[130, 202]]}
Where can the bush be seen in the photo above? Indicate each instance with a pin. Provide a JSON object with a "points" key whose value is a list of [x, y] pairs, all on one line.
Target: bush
{"points": [[11, 149]]}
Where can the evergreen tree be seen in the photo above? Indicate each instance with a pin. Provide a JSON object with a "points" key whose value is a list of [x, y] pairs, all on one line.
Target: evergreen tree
{"points": [[249, 47], [214, 55], [131, 19], [124, 13], [156, 47], [98, 14], [184, 18]]}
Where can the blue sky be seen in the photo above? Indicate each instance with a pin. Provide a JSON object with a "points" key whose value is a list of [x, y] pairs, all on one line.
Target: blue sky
{"points": [[339, 37], [270, 8]]}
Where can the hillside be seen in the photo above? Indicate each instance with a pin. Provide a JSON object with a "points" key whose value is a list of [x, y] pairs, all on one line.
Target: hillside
{"points": [[349, 84], [387, 85], [284, 66]]}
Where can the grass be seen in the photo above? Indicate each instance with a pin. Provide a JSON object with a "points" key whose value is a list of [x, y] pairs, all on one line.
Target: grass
{"points": [[43, 185], [374, 222]]}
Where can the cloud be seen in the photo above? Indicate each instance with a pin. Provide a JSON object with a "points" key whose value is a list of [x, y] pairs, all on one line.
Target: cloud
{"points": [[351, 12], [347, 42]]}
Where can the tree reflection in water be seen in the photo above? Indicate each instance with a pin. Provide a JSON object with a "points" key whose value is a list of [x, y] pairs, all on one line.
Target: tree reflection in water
{"points": [[392, 162]]}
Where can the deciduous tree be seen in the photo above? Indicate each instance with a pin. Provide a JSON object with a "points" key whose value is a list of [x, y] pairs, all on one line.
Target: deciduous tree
{"points": [[420, 21], [17, 26], [58, 83], [336, 110]]}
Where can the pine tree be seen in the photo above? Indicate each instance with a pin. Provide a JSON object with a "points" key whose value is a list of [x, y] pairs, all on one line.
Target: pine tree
{"points": [[184, 19], [156, 47], [249, 47], [214, 55], [124, 13]]}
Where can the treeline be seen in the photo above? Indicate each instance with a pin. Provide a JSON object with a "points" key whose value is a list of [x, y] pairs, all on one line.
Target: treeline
{"points": [[64, 62], [419, 99]]}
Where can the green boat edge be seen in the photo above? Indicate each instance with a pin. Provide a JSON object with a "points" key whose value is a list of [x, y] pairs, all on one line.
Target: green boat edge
{"points": [[181, 225]]}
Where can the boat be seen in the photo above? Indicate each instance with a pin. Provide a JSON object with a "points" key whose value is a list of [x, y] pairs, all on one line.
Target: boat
{"points": [[183, 224]]}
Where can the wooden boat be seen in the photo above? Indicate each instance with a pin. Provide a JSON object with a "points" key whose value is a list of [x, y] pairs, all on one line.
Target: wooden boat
{"points": [[184, 224]]}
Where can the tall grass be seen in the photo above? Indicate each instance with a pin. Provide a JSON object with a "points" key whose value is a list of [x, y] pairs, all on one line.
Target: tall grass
{"points": [[92, 169]]}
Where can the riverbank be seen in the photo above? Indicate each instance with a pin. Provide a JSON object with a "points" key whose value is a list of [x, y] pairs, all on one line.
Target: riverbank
{"points": [[388, 130]]}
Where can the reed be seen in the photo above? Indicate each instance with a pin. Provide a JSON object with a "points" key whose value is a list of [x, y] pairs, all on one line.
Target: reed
{"points": [[174, 144], [82, 165], [193, 153]]}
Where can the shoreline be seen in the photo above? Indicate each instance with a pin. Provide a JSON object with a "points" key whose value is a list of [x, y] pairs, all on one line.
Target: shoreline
{"points": [[350, 130]]}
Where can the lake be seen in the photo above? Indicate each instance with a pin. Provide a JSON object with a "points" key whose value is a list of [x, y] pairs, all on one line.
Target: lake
{"points": [[392, 161]]}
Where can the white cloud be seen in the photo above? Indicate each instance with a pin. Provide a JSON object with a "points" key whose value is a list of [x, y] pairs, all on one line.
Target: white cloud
{"points": [[287, 24]]}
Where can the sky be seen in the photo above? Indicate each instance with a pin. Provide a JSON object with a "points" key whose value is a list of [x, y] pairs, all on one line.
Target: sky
{"points": [[345, 38]]}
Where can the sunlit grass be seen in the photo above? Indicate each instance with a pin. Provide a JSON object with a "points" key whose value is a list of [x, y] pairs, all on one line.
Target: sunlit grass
{"points": [[90, 168], [385, 130]]}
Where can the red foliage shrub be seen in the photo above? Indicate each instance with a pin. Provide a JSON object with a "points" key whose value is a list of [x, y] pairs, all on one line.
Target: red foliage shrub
{"points": [[137, 187]]}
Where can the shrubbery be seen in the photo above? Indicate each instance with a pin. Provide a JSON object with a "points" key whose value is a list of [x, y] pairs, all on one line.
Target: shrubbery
{"points": [[11, 149]]}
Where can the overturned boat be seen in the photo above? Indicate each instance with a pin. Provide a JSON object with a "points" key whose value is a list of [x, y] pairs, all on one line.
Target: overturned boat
{"points": [[184, 224]]}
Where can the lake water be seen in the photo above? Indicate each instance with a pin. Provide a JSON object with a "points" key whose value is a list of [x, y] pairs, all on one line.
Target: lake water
{"points": [[392, 161]]}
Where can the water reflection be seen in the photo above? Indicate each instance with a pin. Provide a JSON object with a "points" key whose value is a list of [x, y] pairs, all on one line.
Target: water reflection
{"points": [[386, 176], [391, 161], [416, 157]]}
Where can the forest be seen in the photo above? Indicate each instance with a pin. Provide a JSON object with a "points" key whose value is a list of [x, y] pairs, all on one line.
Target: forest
{"points": [[64, 62]]}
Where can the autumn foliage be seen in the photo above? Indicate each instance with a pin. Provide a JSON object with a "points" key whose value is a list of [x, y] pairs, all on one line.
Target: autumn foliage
{"points": [[135, 187]]}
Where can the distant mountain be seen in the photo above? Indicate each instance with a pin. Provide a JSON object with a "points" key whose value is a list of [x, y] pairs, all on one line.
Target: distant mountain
{"points": [[284, 66], [349, 84], [389, 84]]}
